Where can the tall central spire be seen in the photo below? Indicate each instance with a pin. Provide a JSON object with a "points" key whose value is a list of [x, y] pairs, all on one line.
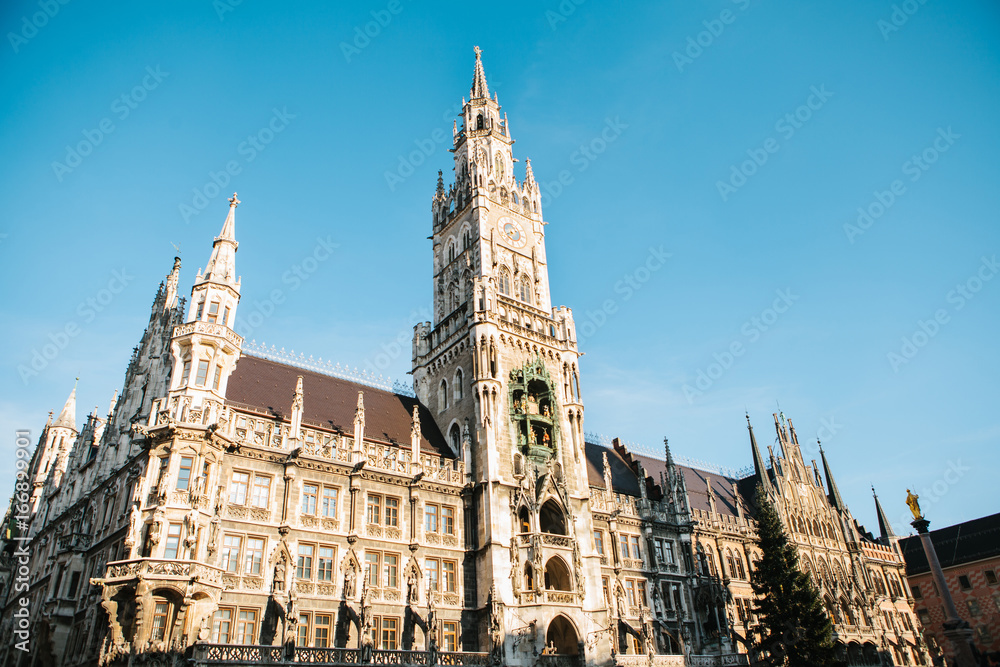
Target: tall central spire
{"points": [[479, 87], [221, 266]]}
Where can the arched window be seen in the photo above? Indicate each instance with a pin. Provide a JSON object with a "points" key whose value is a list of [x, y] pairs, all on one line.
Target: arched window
{"points": [[730, 563], [443, 395], [523, 520], [529, 577], [479, 122], [557, 575], [552, 519], [504, 281], [742, 574], [459, 385], [451, 252], [466, 239], [455, 435], [525, 290], [164, 611]]}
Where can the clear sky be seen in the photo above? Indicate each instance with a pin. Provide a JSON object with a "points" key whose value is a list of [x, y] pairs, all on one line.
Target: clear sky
{"points": [[739, 137]]}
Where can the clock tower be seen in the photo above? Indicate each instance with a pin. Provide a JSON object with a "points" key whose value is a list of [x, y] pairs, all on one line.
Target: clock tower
{"points": [[498, 368]]}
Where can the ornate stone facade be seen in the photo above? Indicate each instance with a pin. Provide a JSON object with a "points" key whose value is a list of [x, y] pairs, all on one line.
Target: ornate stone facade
{"points": [[237, 506]]}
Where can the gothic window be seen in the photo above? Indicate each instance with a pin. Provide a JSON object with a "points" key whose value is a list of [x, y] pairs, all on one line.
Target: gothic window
{"points": [[730, 563], [456, 437], [201, 308], [479, 122], [523, 520], [213, 312], [505, 281], [552, 519], [443, 395], [557, 575], [466, 239], [162, 619], [451, 252], [498, 168], [459, 385], [525, 290], [529, 577], [503, 195], [740, 571], [513, 197]]}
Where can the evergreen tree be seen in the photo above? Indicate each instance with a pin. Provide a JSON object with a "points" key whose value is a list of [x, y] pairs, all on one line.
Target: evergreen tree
{"points": [[794, 628]]}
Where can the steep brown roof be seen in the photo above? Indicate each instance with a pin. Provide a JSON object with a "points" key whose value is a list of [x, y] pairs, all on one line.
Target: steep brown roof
{"points": [[330, 402]]}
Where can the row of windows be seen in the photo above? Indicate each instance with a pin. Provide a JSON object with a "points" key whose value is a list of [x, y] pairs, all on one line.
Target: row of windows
{"points": [[628, 544], [213, 313], [201, 375], [524, 291], [323, 557], [252, 554]]}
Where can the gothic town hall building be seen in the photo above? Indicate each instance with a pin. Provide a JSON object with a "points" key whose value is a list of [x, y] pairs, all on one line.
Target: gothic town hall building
{"points": [[236, 506]]}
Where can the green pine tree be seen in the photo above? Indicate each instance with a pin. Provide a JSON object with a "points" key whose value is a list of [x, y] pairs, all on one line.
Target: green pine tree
{"points": [[794, 629]]}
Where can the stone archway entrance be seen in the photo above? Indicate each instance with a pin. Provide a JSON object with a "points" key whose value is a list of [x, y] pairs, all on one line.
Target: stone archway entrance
{"points": [[562, 636]]}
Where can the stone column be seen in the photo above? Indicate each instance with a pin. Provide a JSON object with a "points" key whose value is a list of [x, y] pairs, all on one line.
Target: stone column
{"points": [[956, 630]]}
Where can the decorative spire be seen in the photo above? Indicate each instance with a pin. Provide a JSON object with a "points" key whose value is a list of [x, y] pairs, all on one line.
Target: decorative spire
{"points": [[439, 193], [884, 527], [607, 472], [415, 435], [297, 406], [67, 418], [479, 87], [832, 491], [668, 457], [221, 266], [529, 175], [760, 470]]}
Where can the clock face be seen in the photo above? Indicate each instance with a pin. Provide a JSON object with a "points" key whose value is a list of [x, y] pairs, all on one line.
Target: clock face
{"points": [[512, 232]]}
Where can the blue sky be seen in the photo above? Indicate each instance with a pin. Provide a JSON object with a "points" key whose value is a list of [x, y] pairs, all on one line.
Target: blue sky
{"points": [[747, 136]]}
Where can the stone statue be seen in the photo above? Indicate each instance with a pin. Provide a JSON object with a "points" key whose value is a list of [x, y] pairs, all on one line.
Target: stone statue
{"points": [[412, 592], [154, 532], [913, 501], [278, 584], [205, 630], [496, 627], [515, 566], [350, 581], [133, 520], [292, 612]]}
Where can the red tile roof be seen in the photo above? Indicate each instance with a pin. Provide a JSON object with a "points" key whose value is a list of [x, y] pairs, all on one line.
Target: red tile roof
{"points": [[330, 402]]}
